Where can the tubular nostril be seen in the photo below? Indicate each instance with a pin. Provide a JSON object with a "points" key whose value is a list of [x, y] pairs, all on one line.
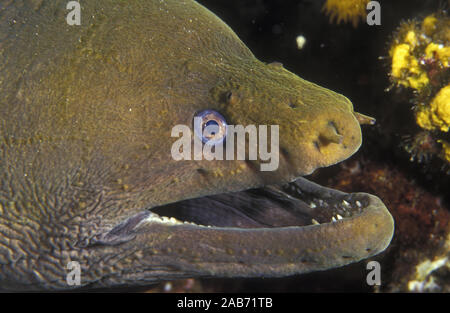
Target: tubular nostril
{"points": [[364, 119]]}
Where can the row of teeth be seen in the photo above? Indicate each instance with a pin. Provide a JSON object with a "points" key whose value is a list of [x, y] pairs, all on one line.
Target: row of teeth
{"points": [[333, 219], [344, 204], [155, 218]]}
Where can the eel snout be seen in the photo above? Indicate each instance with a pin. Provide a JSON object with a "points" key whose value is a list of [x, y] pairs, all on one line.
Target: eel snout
{"points": [[335, 137]]}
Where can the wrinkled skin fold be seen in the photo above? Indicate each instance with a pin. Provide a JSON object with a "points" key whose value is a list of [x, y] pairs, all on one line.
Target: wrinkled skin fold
{"points": [[86, 173]]}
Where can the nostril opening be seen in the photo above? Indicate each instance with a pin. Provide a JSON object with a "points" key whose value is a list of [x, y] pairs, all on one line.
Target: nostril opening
{"points": [[332, 124], [292, 105], [330, 134], [231, 97], [317, 145]]}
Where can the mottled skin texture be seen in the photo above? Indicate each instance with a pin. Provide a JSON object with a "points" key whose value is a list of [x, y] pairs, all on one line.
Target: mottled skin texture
{"points": [[85, 119]]}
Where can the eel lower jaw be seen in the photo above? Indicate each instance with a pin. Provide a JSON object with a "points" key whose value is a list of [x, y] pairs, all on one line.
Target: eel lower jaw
{"points": [[271, 232]]}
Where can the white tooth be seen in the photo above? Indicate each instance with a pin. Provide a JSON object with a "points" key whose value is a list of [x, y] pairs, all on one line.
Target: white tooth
{"points": [[312, 205], [358, 204], [315, 222], [345, 203], [339, 217], [333, 219], [155, 218]]}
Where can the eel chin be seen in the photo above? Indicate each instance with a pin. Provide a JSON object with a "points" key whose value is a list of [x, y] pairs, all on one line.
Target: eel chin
{"points": [[272, 231]]}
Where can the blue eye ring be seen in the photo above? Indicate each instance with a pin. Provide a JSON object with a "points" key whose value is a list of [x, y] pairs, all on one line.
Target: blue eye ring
{"points": [[210, 126]]}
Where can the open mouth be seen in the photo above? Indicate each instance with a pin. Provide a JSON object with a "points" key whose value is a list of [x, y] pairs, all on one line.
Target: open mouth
{"points": [[300, 203], [272, 231]]}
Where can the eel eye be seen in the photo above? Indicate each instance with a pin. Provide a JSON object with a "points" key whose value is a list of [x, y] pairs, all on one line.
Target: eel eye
{"points": [[210, 126]]}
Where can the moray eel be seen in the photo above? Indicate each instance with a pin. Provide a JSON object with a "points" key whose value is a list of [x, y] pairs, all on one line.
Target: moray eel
{"points": [[86, 172]]}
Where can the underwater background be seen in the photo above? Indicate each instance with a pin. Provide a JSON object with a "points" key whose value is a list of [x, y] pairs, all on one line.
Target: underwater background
{"points": [[404, 158]]}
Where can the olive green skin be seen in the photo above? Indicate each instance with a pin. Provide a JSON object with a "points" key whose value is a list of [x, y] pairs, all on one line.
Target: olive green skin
{"points": [[86, 114]]}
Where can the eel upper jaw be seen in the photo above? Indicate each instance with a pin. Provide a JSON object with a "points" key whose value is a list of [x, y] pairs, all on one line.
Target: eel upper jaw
{"points": [[273, 231]]}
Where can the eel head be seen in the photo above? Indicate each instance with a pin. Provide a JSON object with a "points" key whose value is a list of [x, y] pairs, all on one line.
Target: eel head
{"points": [[87, 171]]}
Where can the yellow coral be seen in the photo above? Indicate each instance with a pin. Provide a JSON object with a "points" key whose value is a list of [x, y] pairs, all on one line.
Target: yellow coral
{"points": [[423, 119], [429, 24], [441, 52], [437, 115], [405, 67], [445, 150], [420, 56], [400, 59], [411, 38], [413, 45], [346, 10], [440, 108]]}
